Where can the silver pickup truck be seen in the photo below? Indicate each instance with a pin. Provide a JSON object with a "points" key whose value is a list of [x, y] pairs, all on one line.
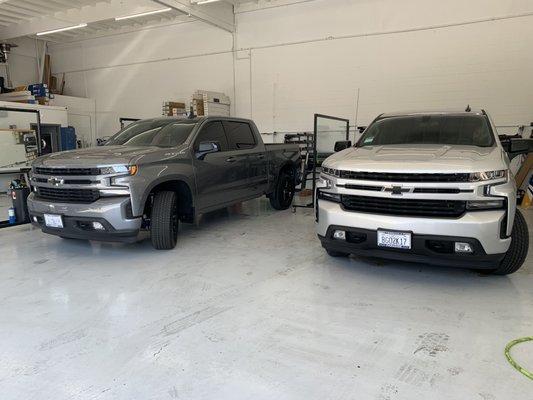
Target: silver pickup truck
{"points": [[425, 186], [154, 174]]}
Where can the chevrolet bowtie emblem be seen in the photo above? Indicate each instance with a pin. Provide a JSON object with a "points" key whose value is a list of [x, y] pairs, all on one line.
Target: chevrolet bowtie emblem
{"points": [[396, 190], [55, 181]]}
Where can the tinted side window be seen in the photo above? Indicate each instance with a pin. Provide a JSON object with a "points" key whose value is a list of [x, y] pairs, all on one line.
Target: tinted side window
{"points": [[240, 135], [212, 132]]}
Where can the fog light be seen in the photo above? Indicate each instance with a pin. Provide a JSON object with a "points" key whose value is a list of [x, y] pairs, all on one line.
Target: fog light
{"points": [[35, 219], [461, 247], [98, 226], [339, 235]]}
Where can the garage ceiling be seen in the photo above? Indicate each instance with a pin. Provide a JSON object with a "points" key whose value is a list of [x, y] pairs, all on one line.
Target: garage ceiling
{"points": [[87, 18]]}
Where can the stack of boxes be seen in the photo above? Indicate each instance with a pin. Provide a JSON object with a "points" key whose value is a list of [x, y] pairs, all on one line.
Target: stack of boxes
{"points": [[206, 103], [203, 103], [174, 109], [41, 93], [32, 94]]}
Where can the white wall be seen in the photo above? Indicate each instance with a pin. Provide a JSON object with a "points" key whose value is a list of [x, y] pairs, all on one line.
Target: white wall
{"points": [[22, 62], [315, 56], [81, 115], [131, 74]]}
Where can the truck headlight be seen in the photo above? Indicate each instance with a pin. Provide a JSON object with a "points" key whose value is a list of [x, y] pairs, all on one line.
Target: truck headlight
{"points": [[119, 169], [331, 171], [323, 182], [488, 175], [485, 205]]}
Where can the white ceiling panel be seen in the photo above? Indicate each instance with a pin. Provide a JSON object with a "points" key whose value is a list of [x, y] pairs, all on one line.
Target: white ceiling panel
{"points": [[20, 18]]}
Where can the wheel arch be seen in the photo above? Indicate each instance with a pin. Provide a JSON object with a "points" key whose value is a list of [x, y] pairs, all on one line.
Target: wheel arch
{"points": [[176, 184]]}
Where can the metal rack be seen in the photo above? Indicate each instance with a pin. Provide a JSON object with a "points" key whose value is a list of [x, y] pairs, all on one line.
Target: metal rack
{"points": [[306, 142]]}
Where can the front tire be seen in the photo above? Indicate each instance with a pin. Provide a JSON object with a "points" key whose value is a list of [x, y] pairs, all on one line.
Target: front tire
{"points": [[164, 221], [283, 194], [517, 253]]}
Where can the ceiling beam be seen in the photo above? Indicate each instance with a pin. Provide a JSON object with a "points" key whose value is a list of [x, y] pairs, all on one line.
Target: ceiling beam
{"points": [[53, 19], [219, 14]]}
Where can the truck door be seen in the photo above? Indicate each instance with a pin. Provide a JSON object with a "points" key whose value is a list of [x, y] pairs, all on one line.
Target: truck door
{"points": [[251, 152], [218, 174]]}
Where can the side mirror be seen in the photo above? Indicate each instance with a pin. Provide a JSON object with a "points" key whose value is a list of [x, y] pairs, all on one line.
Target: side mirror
{"points": [[206, 148], [361, 129], [515, 147], [342, 145], [520, 145]]}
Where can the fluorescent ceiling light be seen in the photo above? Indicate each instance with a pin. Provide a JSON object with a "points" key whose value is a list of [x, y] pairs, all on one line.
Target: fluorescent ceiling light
{"points": [[143, 14], [68, 28], [206, 1]]}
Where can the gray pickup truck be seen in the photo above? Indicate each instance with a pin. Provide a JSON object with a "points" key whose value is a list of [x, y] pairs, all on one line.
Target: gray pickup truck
{"points": [[154, 174]]}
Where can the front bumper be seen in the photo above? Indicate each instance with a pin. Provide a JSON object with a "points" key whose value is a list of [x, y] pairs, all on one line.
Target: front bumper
{"points": [[481, 228], [364, 242], [111, 212]]}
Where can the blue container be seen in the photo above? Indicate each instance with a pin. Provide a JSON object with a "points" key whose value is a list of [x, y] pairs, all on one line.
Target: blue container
{"points": [[68, 138], [11, 214]]}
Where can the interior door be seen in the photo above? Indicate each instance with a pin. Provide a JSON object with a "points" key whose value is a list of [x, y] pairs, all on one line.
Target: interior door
{"points": [[217, 174]]}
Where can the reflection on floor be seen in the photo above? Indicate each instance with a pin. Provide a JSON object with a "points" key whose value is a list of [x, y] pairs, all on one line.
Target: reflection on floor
{"points": [[249, 306]]}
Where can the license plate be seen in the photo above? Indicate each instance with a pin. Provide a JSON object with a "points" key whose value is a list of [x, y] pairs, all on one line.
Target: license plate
{"points": [[395, 240], [53, 221]]}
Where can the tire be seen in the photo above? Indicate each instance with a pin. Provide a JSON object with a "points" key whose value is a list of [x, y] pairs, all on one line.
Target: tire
{"points": [[334, 253], [164, 221], [283, 194], [517, 253]]}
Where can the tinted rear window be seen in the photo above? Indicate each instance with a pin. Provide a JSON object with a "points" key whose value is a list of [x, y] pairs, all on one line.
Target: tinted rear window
{"points": [[430, 129], [239, 135]]}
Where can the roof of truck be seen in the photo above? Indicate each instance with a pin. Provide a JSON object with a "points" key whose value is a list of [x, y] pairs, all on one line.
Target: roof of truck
{"points": [[193, 120], [170, 119], [434, 112]]}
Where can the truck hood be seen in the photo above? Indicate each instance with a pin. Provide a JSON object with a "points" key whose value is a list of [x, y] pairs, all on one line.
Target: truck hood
{"points": [[107, 155], [418, 159]]}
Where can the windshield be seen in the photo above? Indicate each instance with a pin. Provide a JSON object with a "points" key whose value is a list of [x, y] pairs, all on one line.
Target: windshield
{"points": [[469, 130], [158, 133]]}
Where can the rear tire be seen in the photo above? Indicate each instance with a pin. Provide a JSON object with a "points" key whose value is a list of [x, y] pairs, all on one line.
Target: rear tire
{"points": [[334, 253], [283, 194], [164, 221], [517, 253]]}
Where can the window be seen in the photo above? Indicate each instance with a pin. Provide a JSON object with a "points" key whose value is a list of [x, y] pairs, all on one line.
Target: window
{"points": [[212, 132], [240, 135], [429, 129], [153, 133]]}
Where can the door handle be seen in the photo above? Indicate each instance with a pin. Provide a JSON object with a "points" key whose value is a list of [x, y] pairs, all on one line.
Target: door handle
{"points": [[231, 159], [261, 156]]}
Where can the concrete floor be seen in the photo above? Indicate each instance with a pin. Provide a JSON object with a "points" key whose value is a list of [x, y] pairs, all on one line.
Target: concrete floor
{"points": [[250, 307]]}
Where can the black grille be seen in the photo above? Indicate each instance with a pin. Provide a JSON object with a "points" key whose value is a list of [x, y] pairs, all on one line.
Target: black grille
{"points": [[437, 190], [404, 177], [68, 195], [68, 181], [364, 187], [407, 207], [67, 171]]}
